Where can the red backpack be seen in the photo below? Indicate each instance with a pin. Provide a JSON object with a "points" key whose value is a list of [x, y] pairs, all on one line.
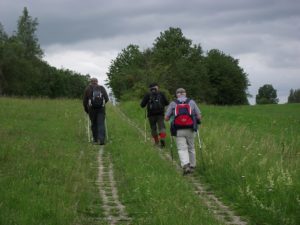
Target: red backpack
{"points": [[183, 115]]}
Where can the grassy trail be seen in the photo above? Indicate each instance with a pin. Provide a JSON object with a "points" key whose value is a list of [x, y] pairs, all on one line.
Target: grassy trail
{"points": [[251, 156], [47, 169], [149, 186], [49, 172]]}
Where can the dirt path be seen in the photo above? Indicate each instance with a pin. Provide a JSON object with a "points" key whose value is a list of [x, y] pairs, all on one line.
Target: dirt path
{"points": [[222, 212], [114, 211]]}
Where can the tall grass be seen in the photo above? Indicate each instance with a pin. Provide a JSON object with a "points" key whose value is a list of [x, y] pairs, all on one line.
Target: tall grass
{"points": [[47, 170], [150, 188], [251, 156]]}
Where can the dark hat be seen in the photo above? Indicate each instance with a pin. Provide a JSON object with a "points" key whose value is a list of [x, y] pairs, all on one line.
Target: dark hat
{"points": [[153, 85]]}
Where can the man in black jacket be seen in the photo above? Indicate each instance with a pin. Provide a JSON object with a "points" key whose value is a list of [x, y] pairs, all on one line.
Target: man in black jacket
{"points": [[156, 102], [94, 100]]}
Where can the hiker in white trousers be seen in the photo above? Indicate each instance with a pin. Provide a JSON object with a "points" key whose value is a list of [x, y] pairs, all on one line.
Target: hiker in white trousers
{"points": [[185, 117]]}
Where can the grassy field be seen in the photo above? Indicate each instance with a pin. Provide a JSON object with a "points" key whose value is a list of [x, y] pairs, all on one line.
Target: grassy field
{"points": [[250, 158], [47, 169]]}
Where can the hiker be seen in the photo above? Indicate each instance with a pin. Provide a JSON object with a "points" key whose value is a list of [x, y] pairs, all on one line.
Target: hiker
{"points": [[156, 102], [94, 100], [185, 117]]}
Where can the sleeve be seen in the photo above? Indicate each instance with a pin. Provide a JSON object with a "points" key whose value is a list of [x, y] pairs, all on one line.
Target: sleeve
{"points": [[105, 94], [166, 101], [170, 108], [86, 99], [196, 109], [145, 100]]}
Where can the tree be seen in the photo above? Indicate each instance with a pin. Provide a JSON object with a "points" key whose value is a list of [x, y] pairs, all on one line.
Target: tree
{"points": [[294, 96], [125, 71], [228, 81], [26, 35], [178, 63], [267, 95]]}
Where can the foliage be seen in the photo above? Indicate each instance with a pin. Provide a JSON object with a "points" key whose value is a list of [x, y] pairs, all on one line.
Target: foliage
{"points": [[227, 80], [174, 62], [24, 73], [294, 96], [267, 95]]}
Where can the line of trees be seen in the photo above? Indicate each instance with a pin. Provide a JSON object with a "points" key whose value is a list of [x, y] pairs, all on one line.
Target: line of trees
{"points": [[24, 73], [173, 61]]}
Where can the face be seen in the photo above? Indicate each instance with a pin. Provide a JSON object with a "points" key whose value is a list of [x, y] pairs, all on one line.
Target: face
{"points": [[154, 89], [180, 94]]}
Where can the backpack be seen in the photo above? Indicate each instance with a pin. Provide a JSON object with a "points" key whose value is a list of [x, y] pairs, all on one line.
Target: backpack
{"points": [[155, 104], [183, 117], [97, 98]]}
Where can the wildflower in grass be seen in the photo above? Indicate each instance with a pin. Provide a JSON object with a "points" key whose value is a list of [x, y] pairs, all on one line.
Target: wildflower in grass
{"points": [[270, 178]]}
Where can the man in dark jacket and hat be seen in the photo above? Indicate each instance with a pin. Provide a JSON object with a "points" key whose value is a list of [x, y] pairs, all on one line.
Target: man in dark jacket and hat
{"points": [[156, 102]]}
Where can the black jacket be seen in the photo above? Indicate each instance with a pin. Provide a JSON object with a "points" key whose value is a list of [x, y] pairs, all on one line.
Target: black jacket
{"points": [[146, 102], [88, 95]]}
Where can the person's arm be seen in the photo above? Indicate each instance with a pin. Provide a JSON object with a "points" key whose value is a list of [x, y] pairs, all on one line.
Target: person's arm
{"points": [[166, 101], [105, 94], [145, 100], [85, 101], [196, 109], [169, 111]]}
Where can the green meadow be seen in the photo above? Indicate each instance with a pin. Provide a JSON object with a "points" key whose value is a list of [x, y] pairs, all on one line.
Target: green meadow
{"points": [[48, 170], [250, 158]]}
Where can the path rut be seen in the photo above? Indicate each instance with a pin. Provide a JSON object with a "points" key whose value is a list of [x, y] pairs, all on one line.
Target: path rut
{"points": [[222, 212]]}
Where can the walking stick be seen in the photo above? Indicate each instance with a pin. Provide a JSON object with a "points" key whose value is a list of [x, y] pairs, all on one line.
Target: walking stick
{"points": [[200, 149], [145, 125], [171, 149], [106, 130], [88, 128]]}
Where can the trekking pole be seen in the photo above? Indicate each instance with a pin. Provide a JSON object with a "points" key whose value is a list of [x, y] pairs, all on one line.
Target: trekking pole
{"points": [[200, 149], [145, 125], [171, 149], [88, 128], [106, 130]]}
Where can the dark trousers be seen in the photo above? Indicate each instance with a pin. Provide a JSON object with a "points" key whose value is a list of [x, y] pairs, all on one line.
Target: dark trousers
{"points": [[157, 122], [97, 117]]}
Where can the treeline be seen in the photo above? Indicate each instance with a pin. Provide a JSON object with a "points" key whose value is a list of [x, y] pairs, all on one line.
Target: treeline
{"points": [[24, 73], [174, 61]]}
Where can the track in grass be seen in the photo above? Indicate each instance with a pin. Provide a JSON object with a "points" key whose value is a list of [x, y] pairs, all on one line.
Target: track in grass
{"points": [[222, 212], [114, 211]]}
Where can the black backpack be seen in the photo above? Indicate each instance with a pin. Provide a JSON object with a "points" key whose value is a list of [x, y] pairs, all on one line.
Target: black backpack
{"points": [[97, 98], [155, 104]]}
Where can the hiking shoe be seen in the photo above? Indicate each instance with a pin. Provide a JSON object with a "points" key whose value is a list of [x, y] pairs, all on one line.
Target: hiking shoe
{"points": [[186, 169], [192, 168], [162, 143]]}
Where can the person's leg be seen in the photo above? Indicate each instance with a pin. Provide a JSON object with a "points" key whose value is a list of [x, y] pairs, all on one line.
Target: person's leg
{"points": [[152, 122], [93, 118], [101, 127], [161, 129], [191, 147], [182, 148]]}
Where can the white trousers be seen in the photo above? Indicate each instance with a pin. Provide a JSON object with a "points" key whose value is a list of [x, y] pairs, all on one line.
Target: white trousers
{"points": [[185, 146]]}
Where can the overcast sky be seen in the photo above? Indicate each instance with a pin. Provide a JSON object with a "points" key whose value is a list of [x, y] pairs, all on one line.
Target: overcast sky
{"points": [[84, 36]]}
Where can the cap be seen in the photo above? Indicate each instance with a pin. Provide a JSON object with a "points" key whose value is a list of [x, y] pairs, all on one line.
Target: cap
{"points": [[180, 90]]}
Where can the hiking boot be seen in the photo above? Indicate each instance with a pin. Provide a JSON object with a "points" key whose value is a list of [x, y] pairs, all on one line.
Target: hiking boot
{"points": [[162, 143], [192, 168], [186, 169]]}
